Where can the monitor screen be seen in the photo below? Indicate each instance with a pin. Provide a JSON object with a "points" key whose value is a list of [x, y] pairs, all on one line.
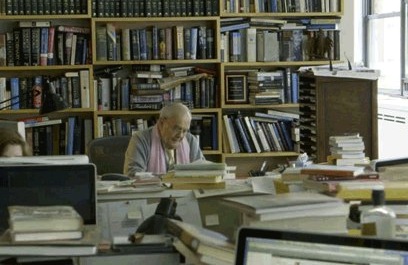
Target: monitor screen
{"points": [[39, 184], [261, 247]]}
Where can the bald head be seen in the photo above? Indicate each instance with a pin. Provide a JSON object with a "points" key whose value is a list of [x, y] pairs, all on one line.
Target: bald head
{"points": [[175, 110], [173, 124]]}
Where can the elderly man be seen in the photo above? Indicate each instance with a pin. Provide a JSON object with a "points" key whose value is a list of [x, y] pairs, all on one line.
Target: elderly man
{"points": [[169, 142]]}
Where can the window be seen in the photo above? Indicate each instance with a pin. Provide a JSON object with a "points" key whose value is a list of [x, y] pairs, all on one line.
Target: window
{"points": [[383, 42]]}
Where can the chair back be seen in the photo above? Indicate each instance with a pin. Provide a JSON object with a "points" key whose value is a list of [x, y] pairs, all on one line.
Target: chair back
{"points": [[108, 153]]}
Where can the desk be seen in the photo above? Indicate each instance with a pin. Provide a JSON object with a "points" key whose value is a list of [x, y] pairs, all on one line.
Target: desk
{"points": [[119, 214]]}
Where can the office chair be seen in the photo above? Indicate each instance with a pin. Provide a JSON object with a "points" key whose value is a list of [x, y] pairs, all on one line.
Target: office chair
{"points": [[108, 153]]}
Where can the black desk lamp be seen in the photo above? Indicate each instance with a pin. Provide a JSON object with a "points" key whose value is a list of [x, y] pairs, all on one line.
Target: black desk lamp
{"points": [[51, 101], [156, 224]]}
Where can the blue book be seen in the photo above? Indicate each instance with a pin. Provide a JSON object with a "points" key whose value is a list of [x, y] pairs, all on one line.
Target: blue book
{"points": [[15, 93], [193, 43], [69, 147], [295, 87], [124, 101], [44, 46], [242, 137], [143, 44]]}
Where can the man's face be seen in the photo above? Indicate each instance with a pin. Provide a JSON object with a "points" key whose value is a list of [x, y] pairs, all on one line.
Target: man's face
{"points": [[173, 130]]}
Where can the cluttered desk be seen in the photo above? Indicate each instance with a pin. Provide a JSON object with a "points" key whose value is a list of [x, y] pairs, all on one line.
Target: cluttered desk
{"points": [[118, 208]]}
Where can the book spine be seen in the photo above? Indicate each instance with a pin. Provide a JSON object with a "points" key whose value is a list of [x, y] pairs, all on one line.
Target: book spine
{"points": [[84, 86], [44, 46], [35, 46], [51, 48], [15, 93], [37, 92], [10, 53], [179, 42], [202, 42], [111, 41], [102, 44]]}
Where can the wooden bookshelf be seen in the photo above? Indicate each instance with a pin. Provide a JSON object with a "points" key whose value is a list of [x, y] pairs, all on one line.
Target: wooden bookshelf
{"points": [[92, 17]]}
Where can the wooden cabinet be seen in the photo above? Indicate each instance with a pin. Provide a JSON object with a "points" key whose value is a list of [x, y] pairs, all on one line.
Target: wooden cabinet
{"points": [[335, 106]]}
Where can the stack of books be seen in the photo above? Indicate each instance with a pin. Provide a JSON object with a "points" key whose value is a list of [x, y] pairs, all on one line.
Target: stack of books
{"points": [[200, 174], [44, 223], [347, 150], [199, 245], [332, 179], [305, 211]]}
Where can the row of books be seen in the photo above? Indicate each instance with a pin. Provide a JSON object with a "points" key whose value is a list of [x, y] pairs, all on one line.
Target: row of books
{"points": [[154, 8], [26, 92], [62, 137], [46, 7], [197, 90], [280, 6], [262, 86], [39, 43], [282, 84], [256, 134], [250, 44], [111, 126], [154, 43]]}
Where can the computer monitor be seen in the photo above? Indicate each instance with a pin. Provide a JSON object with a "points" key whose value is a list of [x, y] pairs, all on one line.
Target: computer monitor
{"points": [[41, 184], [51, 159], [261, 247], [391, 169]]}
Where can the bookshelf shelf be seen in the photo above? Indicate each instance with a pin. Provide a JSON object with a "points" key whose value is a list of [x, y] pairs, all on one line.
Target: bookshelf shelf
{"points": [[163, 62], [43, 17], [266, 154], [283, 15]]}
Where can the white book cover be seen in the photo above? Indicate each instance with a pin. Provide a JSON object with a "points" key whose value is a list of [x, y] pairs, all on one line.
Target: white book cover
{"points": [[85, 91], [251, 44]]}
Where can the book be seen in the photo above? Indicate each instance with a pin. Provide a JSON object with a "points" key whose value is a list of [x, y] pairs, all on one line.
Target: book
{"points": [[276, 204], [31, 124], [292, 174], [85, 246], [190, 256], [193, 236], [333, 170], [361, 190], [194, 186], [44, 235], [18, 126], [170, 178], [43, 218], [335, 224]]}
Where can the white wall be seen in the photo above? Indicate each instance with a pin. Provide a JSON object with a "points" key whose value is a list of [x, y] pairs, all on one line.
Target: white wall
{"points": [[351, 31]]}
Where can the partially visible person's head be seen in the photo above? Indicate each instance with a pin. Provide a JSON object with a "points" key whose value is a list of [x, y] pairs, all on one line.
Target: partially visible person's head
{"points": [[12, 143], [173, 124]]}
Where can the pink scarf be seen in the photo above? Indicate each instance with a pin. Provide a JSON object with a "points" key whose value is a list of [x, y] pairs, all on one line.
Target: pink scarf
{"points": [[157, 160]]}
